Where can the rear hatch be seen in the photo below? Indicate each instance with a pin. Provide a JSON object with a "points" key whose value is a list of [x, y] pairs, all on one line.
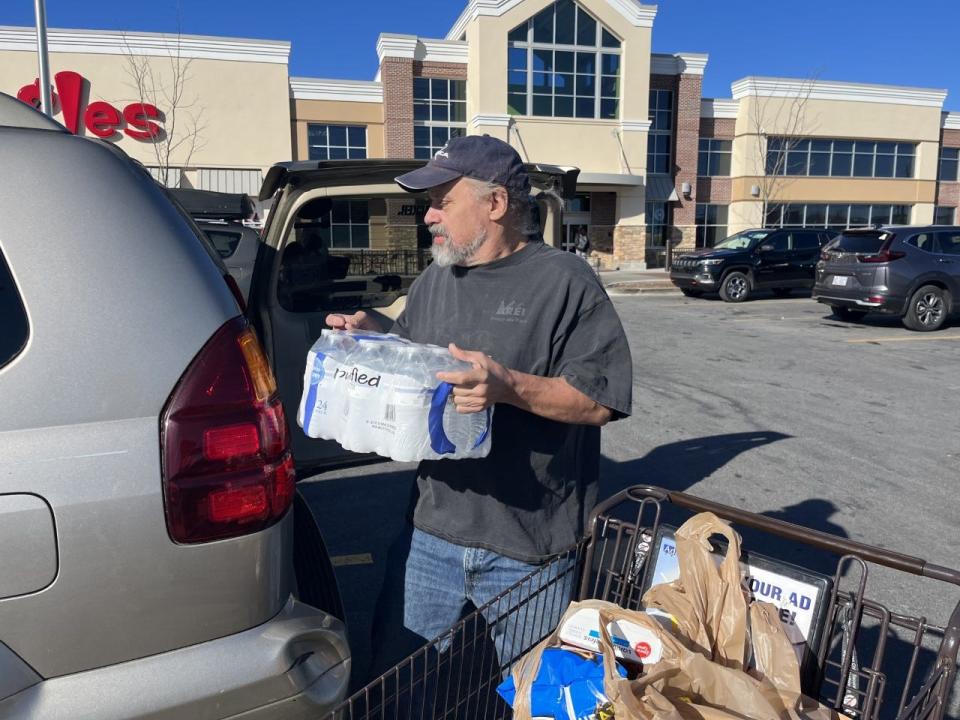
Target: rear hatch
{"points": [[854, 261], [343, 237]]}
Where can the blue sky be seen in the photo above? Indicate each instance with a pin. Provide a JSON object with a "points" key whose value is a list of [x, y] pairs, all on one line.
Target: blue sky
{"points": [[875, 41]]}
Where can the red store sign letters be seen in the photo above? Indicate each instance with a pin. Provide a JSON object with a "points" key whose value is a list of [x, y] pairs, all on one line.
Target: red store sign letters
{"points": [[100, 118]]}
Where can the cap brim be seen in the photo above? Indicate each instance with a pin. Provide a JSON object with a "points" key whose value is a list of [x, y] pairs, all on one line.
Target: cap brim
{"points": [[429, 176]]}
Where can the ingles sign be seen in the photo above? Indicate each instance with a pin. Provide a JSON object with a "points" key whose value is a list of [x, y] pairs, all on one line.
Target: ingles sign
{"points": [[100, 118]]}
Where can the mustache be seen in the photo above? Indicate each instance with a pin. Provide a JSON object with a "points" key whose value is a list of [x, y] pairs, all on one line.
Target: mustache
{"points": [[437, 229]]}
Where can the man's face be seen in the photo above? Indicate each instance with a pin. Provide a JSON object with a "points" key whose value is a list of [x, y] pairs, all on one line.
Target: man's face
{"points": [[458, 221]]}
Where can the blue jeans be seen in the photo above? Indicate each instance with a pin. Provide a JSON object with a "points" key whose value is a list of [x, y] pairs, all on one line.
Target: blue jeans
{"points": [[442, 578]]}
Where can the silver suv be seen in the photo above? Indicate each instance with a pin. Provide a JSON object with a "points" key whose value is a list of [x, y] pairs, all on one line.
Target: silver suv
{"points": [[147, 563], [910, 272]]}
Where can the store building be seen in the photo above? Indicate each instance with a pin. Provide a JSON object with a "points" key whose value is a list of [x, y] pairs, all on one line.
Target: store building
{"points": [[568, 82], [229, 124]]}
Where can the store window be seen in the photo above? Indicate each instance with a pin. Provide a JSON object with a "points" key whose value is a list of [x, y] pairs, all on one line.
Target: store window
{"points": [[824, 157], [949, 162], [563, 63], [714, 157], [711, 224], [943, 215], [336, 142], [837, 216], [579, 203], [439, 113], [660, 139]]}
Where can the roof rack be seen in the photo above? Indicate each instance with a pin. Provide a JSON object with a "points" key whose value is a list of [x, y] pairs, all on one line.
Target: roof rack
{"points": [[16, 113]]}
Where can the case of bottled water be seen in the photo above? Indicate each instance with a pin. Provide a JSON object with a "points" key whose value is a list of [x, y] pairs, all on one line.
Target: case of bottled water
{"points": [[379, 393]]}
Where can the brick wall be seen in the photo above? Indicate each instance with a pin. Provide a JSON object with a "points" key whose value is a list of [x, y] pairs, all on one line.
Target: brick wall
{"points": [[948, 193], [715, 190], [664, 82], [686, 141], [723, 128], [603, 220], [396, 75], [452, 71], [951, 138]]}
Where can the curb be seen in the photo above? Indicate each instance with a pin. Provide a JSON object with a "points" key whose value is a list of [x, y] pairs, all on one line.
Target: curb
{"points": [[631, 289]]}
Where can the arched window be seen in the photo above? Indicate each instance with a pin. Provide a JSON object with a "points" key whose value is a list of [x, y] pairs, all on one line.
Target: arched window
{"points": [[563, 63]]}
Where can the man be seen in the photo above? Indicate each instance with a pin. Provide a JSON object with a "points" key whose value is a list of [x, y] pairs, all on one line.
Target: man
{"points": [[582, 243], [547, 349]]}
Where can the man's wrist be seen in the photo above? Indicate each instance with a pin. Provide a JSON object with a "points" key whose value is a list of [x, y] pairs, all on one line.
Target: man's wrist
{"points": [[514, 383]]}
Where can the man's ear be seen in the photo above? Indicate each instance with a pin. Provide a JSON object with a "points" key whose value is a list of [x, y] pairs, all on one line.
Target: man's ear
{"points": [[499, 204]]}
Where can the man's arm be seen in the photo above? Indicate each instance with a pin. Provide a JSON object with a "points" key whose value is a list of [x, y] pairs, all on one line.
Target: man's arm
{"points": [[489, 382]]}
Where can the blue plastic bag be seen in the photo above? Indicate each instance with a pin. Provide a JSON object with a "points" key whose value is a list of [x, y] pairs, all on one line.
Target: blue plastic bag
{"points": [[568, 686]]}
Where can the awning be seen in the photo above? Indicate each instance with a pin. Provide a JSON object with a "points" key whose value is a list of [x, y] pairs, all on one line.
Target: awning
{"points": [[660, 189]]}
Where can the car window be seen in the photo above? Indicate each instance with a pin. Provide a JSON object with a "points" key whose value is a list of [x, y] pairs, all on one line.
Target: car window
{"points": [[16, 328], [779, 242], [353, 252], [224, 242], [923, 241], [866, 243], [949, 242], [806, 241], [742, 241]]}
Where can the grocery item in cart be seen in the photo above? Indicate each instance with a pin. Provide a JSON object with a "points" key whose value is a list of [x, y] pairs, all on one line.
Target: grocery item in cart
{"points": [[379, 393], [568, 686]]}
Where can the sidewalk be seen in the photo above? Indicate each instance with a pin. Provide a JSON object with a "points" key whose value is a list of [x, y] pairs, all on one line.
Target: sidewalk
{"points": [[637, 282]]}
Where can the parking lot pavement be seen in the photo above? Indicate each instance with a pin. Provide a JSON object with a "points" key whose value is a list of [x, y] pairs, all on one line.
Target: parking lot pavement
{"points": [[771, 406]]}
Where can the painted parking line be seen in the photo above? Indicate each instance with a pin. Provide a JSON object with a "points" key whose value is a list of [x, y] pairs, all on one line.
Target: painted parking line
{"points": [[358, 559], [915, 338]]}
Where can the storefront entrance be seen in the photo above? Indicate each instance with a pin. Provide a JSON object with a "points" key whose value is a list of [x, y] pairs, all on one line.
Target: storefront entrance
{"points": [[658, 233]]}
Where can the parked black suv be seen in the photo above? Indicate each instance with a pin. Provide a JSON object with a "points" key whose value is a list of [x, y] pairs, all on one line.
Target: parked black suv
{"points": [[910, 272], [780, 259]]}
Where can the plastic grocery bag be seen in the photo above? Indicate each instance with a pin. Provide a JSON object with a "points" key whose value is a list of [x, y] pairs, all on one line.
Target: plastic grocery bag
{"points": [[568, 686], [379, 393], [681, 683]]}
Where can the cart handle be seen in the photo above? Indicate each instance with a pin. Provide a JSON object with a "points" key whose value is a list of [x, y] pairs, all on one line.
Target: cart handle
{"points": [[806, 536]]}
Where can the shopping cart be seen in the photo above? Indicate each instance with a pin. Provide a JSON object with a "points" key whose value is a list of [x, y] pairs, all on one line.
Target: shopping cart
{"points": [[869, 662]]}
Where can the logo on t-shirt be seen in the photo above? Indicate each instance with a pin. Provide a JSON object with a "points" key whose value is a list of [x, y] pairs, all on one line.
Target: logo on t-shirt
{"points": [[511, 312]]}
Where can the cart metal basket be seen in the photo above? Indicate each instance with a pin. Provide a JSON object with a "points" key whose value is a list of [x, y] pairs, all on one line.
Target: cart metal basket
{"points": [[870, 662]]}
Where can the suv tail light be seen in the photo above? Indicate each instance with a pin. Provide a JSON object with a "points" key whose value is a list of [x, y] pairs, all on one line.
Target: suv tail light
{"points": [[227, 468], [885, 255]]}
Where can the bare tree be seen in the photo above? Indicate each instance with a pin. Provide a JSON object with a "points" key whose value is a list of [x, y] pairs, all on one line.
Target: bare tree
{"points": [[779, 123], [163, 83]]}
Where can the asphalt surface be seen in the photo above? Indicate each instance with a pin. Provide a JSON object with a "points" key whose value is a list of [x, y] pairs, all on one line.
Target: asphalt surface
{"points": [[771, 406]]}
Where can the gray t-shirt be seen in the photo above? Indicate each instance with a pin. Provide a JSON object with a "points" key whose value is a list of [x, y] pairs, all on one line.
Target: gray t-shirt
{"points": [[540, 311]]}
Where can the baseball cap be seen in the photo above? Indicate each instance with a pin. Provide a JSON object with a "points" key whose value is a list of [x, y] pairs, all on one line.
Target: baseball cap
{"points": [[480, 157]]}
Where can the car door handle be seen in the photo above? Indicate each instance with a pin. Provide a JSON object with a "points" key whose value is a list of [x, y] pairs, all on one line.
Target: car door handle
{"points": [[945, 261]]}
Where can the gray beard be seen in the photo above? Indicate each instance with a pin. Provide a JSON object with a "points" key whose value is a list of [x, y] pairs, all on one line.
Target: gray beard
{"points": [[449, 254]]}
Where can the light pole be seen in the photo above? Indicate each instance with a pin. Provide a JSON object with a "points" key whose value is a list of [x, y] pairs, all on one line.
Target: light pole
{"points": [[46, 105]]}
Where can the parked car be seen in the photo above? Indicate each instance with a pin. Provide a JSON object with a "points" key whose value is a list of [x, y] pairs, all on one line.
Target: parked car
{"points": [[342, 236], [150, 559], [225, 220], [779, 259], [909, 272]]}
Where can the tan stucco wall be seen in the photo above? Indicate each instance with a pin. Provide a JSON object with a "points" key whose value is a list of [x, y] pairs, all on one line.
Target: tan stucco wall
{"points": [[834, 119], [338, 113], [847, 190], [589, 144], [244, 106]]}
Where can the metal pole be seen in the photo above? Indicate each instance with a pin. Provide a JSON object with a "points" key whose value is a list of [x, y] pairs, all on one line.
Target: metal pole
{"points": [[46, 104]]}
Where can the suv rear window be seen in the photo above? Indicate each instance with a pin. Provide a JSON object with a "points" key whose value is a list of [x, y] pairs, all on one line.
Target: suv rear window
{"points": [[16, 329], [861, 243]]}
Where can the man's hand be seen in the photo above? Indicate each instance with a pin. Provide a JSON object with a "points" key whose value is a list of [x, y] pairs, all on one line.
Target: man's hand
{"points": [[358, 321], [487, 383]]}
